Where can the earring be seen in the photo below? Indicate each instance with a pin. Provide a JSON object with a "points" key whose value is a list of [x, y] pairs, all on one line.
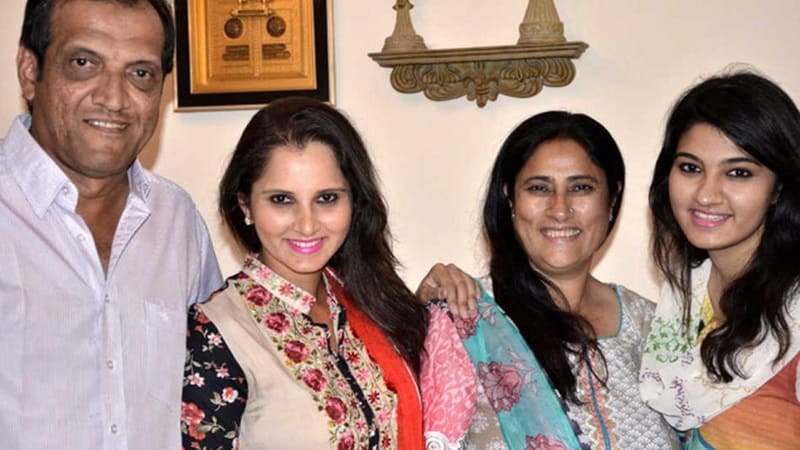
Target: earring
{"points": [[571, 210], [611, 217], [247, 221], [513, 213]]}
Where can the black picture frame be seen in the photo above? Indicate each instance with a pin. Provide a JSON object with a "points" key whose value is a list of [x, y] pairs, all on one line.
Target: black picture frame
{"points": [[186, 100]]}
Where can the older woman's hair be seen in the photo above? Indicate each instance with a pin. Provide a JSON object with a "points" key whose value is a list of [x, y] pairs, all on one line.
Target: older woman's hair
{"points": [[365, 260], [521, 291], [761, 119]]}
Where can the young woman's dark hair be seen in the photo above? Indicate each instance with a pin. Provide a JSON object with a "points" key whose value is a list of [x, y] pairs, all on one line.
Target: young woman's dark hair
{"points": [[522, 292], [365, 261], [757, 116], [36, 26]]}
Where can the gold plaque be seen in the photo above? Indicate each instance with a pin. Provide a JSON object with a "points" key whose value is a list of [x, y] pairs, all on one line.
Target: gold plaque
{"points": [[253, 46]]}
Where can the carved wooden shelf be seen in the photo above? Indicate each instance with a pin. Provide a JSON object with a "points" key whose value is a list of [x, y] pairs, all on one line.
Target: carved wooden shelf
{"points": [[542, 58]]}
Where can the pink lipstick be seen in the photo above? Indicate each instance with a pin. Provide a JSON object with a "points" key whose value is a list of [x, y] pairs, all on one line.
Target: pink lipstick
{"points": [[305, 246]]}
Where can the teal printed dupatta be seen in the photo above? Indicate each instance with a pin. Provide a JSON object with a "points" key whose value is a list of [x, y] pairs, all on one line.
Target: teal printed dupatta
{"points": [[529, 410]]}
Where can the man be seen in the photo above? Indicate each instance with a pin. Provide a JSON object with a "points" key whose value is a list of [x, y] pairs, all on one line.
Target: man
{"points": [[99, 257]]}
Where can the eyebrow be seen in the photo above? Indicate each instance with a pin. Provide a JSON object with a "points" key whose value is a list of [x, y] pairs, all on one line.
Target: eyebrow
{"points": [[288, 192], [735, 160], [545, 178], [78, 48]]}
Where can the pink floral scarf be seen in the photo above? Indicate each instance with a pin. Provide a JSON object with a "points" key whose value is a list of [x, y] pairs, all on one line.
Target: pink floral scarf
{"points": [[449, 389]]}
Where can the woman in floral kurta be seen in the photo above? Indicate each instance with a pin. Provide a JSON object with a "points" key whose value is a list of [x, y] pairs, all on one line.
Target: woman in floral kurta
{"points": [[316, 342], [341, 397]]}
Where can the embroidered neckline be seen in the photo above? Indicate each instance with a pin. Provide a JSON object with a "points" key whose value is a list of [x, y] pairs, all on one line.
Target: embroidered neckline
{"points": [[278, 286]]}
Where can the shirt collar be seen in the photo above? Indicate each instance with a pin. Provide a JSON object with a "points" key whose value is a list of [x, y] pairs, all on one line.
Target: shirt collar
{"points": [[139, 180], [40, 178]]}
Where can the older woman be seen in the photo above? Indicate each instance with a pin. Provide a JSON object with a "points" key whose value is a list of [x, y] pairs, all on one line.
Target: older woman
{"points": [[557, 351]]}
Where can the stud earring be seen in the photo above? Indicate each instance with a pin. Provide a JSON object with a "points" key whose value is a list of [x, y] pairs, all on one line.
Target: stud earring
{"points": [[571, 210], [247, 221]]}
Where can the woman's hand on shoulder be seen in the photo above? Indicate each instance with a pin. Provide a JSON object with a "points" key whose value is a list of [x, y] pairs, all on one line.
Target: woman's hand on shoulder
{"points": [[453, 285]]}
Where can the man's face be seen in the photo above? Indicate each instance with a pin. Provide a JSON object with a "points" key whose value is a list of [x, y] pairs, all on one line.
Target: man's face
{"points": [[95, 101]]}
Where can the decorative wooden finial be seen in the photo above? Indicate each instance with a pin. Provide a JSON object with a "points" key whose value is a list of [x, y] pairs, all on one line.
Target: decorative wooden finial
{"points": [[403, 38], [541, 24]]}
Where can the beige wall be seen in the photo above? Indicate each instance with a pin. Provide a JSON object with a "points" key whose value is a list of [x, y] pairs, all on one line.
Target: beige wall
{"points": [[433, 158]]}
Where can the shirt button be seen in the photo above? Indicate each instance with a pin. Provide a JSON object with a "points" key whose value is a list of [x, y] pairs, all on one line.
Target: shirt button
{"points": [[81, 237], [110, 364], [65, 190], [108, 300], [114, 429]]}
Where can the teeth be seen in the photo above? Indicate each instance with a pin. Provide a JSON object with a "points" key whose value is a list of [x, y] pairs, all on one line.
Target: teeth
{"points": [[109, 125], [710, 217], [561, 233], [305, 244]]}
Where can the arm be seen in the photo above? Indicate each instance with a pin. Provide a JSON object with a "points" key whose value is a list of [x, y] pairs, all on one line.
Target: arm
{"points": [[208, 278], [449, 283], [214, 388]]}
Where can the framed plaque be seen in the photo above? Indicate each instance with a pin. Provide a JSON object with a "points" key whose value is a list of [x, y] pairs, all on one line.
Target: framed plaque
{"points": [[235, 54]]}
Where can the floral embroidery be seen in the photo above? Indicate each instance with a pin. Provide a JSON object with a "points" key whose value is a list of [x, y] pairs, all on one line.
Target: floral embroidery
{"points": [[315, 379], [667, 340], [305, 348], [277, 322], [296, 351], [336, 409], [260, 296], [217, 390]]}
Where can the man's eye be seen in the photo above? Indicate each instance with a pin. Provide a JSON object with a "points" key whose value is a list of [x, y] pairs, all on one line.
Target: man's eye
{"points": [[80, 62]]}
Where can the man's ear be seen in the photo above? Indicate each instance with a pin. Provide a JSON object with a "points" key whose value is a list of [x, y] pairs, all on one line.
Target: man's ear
{"points": [[27, 72]]}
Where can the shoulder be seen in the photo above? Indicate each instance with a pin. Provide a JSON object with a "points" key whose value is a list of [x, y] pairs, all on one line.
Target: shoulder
{"points": [[638, 309], [485, 283]]}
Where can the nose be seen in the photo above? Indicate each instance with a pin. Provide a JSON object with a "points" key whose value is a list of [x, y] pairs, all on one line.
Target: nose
{"points": [[560, 207], [708, 191], [111, 93], [306, 222]]}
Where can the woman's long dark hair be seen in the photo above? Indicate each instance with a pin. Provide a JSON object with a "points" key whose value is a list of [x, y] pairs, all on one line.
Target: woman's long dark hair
{"points": [[365, 261], [522, 292], [757, 116]]}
